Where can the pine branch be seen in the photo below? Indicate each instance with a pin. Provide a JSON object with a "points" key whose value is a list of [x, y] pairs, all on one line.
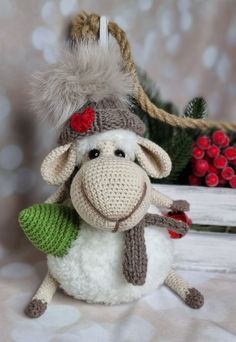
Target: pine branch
{"points": [[180, 151], [196, 108]]}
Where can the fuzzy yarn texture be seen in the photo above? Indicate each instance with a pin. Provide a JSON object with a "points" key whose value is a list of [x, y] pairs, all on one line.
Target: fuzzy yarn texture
{"points": [[86, 72], [98, 276], [50, 227], [122, 139]]}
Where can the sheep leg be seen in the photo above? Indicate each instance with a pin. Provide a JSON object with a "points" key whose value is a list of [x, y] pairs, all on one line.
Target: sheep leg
{"points": [[48, 287], [191, 296], [42, 297]]}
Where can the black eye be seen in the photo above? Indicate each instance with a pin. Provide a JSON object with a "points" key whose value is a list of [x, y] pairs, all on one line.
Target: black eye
{"points": [[93, 153], [119, 153]]}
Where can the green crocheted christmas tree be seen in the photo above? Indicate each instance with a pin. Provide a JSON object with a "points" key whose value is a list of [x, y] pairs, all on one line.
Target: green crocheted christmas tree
{"points": [[50, 227]]}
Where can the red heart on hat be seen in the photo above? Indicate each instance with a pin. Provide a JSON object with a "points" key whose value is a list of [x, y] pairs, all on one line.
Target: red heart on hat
{"points": [[82, 121]]}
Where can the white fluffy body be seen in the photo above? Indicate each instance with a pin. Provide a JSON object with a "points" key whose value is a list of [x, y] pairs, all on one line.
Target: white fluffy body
{"points": [[123, 139], [92, 269], [86, 72]]}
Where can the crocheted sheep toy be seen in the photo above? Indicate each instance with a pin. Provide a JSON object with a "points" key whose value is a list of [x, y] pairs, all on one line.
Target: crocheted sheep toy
{"points": [[102, 246]]}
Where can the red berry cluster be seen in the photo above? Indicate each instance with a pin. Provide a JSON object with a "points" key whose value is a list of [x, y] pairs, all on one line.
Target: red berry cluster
{"points": [[214, 161]]}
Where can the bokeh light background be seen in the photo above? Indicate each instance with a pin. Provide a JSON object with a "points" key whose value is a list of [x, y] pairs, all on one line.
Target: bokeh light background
{"points": [[187, 46]]}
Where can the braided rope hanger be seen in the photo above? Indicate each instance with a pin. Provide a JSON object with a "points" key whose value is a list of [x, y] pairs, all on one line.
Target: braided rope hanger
{"points": [[85, 26]]}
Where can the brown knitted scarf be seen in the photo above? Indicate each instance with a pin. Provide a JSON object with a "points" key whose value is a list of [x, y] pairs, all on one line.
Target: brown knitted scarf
{"points": [[135, 259]]}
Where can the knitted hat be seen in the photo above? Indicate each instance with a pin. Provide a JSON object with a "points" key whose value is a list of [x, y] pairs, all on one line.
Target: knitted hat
{"points": [[105, 115]]}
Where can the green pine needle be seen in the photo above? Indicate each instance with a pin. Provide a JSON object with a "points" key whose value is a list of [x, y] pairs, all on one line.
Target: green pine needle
{"points": [[180, 152], [196, 108]]}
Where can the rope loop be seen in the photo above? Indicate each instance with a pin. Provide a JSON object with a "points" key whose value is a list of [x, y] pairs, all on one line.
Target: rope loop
{"points": [[86, 26]]}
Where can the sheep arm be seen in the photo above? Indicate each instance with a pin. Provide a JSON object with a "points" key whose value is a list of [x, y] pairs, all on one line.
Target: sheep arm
{"points": [[162, 201]]}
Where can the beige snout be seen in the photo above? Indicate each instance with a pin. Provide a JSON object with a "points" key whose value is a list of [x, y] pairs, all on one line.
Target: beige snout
{"points": [[111, 193]]}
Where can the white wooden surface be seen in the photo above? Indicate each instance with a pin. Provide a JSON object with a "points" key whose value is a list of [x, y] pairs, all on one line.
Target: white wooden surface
{"points": [[206, 251], [213, 206]]}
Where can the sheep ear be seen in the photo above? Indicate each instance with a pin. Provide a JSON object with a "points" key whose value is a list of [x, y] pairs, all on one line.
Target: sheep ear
{"points": [[59, 164], [152, 158]]}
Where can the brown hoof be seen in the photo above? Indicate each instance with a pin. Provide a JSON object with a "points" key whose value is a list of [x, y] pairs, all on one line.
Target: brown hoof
{"points": [[180, 205], [194, 299], [35, 308]]}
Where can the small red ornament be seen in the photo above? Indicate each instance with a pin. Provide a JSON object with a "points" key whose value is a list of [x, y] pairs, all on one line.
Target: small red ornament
{"points": [[212, 179], [201, 167], [219, 137], [198, 153], [226, 142], [194, 180], [227, 173], [208, 159], [82, 121], [213, 151], [232, 182], [230, 153], [222, 181], [213, 169], [180, 216], [220, 162], [174, 235], [203, 142]]}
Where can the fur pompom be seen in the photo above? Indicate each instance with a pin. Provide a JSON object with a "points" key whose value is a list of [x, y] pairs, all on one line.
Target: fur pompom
{"points": [[87, 72]]}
